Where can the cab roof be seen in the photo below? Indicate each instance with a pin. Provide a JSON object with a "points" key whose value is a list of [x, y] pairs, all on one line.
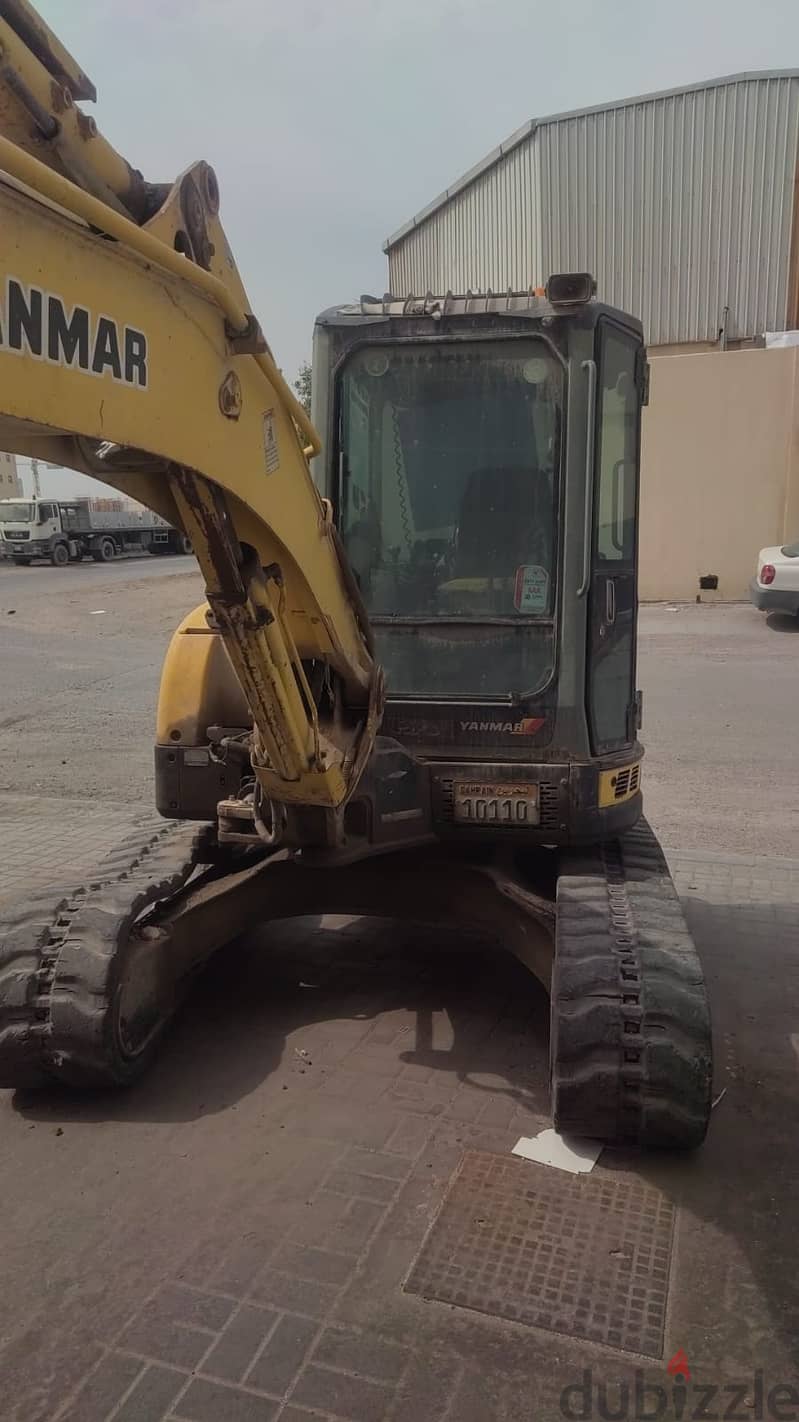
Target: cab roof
{"points": [[531, 304]]}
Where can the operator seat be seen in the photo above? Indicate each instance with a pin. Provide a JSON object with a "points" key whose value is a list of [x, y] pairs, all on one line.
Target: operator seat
{"points": [[505, 520]]}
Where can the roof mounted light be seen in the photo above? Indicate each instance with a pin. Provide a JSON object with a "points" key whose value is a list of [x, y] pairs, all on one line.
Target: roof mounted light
{"points": [[570, 288]]}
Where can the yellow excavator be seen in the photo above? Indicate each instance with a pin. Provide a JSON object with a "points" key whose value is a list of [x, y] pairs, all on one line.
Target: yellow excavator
{"points": [[412, 687]]}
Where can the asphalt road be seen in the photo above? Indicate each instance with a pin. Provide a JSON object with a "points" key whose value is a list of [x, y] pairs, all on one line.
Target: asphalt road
{"points": [[17, 582], [721, 688], [81, 653], [82, 649]]}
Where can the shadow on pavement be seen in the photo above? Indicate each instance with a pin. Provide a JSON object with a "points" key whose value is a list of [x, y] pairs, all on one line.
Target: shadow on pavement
{"points": [[239, 1025], [475, 1017], [782, 622]]}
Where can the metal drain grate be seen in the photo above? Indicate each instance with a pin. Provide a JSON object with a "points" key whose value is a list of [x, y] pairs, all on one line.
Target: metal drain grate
{"points": [[584, 1255]]}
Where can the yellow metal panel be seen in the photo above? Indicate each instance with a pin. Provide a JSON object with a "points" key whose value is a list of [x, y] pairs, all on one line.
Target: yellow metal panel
{"points": [[128, 350], [177, 416], [616, 786], [198, 687], [28, 23]]}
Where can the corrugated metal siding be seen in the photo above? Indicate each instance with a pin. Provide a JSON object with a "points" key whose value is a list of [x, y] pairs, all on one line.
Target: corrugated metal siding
{"points": [[482, 237], [680, 204]]}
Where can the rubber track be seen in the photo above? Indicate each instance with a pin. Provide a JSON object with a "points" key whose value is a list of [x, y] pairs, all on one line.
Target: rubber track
{"points": [[59, 956], [631, 1055]]}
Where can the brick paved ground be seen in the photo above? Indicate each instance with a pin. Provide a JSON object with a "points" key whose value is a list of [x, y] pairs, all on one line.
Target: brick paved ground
{"points": [[57, 837], [229, 1240]]}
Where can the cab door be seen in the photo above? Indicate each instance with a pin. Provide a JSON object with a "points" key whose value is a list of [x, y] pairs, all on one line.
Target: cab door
{"points": [[613, 597]]}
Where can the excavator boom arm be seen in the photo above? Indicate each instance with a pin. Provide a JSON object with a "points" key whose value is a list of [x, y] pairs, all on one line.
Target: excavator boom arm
{"points": [[128, 350]]}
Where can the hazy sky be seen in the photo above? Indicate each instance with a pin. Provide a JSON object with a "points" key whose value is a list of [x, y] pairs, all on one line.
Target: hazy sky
{"points": [[329, 125]]}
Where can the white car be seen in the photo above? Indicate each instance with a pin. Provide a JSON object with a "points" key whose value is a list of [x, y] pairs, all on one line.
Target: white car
{"points": [[776, 587]]}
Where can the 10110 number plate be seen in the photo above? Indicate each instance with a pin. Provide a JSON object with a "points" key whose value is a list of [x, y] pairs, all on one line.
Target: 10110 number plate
{"points": [[477, 803]]}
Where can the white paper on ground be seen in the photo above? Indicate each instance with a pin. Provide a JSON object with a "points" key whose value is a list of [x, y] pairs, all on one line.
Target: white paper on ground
{"points": [[572, 1153]]}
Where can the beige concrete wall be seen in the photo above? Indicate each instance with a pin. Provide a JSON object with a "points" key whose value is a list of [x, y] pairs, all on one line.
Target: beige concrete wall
{"points": [[720, 468]]}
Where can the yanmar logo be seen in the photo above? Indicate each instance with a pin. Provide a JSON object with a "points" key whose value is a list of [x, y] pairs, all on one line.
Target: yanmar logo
{"points": [[526, 727], [40, 324]]}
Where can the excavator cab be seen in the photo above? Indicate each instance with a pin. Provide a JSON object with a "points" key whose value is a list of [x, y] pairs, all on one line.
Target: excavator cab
{"points": [[482, 456]]}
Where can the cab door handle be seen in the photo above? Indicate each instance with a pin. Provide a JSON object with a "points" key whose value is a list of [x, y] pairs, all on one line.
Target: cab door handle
{"points": [[589, 367], [610, 601]]}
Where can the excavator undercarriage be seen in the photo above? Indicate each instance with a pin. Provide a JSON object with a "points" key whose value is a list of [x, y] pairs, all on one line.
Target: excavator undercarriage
{"points": [[411, 688], [90, 976]]}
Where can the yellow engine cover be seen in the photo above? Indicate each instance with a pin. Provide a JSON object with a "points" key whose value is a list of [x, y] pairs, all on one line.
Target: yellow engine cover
{"points": [[198, 686]]}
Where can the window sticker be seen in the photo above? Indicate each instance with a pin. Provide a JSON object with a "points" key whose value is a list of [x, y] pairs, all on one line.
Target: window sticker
{"points": [[531, 590]]}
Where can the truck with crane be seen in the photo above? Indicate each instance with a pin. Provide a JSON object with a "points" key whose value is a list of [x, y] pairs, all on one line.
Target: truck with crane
{"points": [[411, 689]]}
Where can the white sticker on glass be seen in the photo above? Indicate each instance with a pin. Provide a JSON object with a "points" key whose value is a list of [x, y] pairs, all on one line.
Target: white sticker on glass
{"points": [[531, 590]]}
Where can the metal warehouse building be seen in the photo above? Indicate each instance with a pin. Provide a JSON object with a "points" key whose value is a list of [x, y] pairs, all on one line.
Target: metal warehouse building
{"points": [[684, 205]]}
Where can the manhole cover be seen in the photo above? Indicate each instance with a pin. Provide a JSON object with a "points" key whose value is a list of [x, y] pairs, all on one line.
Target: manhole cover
{"points": [[586, 1255]]}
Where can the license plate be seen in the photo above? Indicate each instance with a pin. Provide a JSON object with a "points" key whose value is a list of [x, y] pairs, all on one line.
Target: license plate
{"points": [[478, 803]]}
